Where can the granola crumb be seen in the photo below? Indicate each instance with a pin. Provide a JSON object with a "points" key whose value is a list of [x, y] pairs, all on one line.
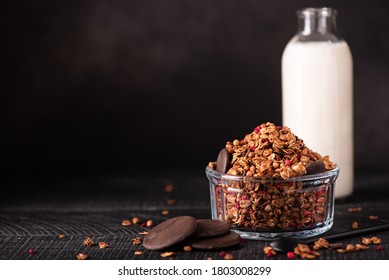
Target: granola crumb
{"points": [[143, 232], [209, 258], [171, 201], [89, 242], [149, 223], [82, 256], [321, 243], [342, 251], [165, 212], [169, 188], [354, 225], [305, 252], [269, 251], [61, 236], [187, 248], [136, 241], [373, 218], [135, 220], [126, 223], [376, 240], [350, 248], [354, 209], [366, 240], [103, 245], [228, 256], [359, 247], [167, 254], [138, 253]]}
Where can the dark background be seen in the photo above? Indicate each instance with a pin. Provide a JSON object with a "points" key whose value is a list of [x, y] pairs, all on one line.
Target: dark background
{"points": [[98, 86]]}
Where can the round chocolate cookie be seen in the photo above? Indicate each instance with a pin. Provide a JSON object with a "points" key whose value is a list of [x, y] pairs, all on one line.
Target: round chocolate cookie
{"points": [[209, 228], [316, 167], [216, 242], [223, 161], [170, 232]]}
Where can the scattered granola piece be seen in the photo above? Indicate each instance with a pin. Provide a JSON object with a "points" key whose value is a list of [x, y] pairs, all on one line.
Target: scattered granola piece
{"points": [[61, 236], [103, 245], [209, 258], [149, 223], [269, 251], [228, 256], [354, 225], [167, 254], [82, 256], [355, 209], [88, 242], [143, 232], [171, 201], [342, 251], [350, 248], [138, 253], [136, 241], [165, 212], [321, 243], [135, 220], [168, 188], [187, 248], [305, 252], [366, 241], [126, 223], [301, 248], [361, 247], [373, 217], [375, 240]]}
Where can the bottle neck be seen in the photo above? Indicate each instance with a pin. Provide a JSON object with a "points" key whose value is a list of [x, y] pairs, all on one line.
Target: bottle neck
{"points": [[317, 24]]}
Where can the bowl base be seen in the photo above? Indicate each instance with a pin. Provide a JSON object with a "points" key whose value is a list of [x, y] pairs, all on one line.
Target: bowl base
{"points": [[307, 233]]}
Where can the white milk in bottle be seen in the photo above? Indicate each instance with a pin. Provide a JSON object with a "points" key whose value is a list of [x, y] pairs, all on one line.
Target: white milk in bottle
{"points": [[317, 91]]}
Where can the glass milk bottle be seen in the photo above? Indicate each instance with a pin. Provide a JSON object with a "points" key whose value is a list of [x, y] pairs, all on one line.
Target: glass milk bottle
{"points": [[317, 91]]}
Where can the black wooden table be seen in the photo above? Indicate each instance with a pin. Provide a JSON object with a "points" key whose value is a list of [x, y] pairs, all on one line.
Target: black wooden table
{"points": [[35, 211]]}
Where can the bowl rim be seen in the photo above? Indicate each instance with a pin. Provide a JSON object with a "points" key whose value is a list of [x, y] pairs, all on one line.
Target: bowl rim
{"points": [[219, 175]]}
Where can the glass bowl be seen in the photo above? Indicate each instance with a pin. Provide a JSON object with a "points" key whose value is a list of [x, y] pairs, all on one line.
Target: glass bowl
{"points": [[266, 208]]}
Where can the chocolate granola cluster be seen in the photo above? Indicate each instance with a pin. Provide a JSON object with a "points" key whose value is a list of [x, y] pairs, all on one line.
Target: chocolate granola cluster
{"points": [[271, 151]]}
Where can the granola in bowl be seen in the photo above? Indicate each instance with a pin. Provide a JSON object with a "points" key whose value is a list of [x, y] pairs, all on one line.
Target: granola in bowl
{"points": [[270, 184]]}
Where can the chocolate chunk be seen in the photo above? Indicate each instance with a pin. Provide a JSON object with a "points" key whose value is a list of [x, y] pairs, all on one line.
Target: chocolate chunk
{"points": [[170, 232], [223, 161], [208, 228], [216, 242], [316, 167]]}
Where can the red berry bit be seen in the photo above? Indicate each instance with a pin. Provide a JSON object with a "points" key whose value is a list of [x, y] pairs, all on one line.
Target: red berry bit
{"points": [[291, 255], [222, 254], [269, 251], [257, 129], [278, 127], [287, 162], [31, 251], [379, 248]]}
